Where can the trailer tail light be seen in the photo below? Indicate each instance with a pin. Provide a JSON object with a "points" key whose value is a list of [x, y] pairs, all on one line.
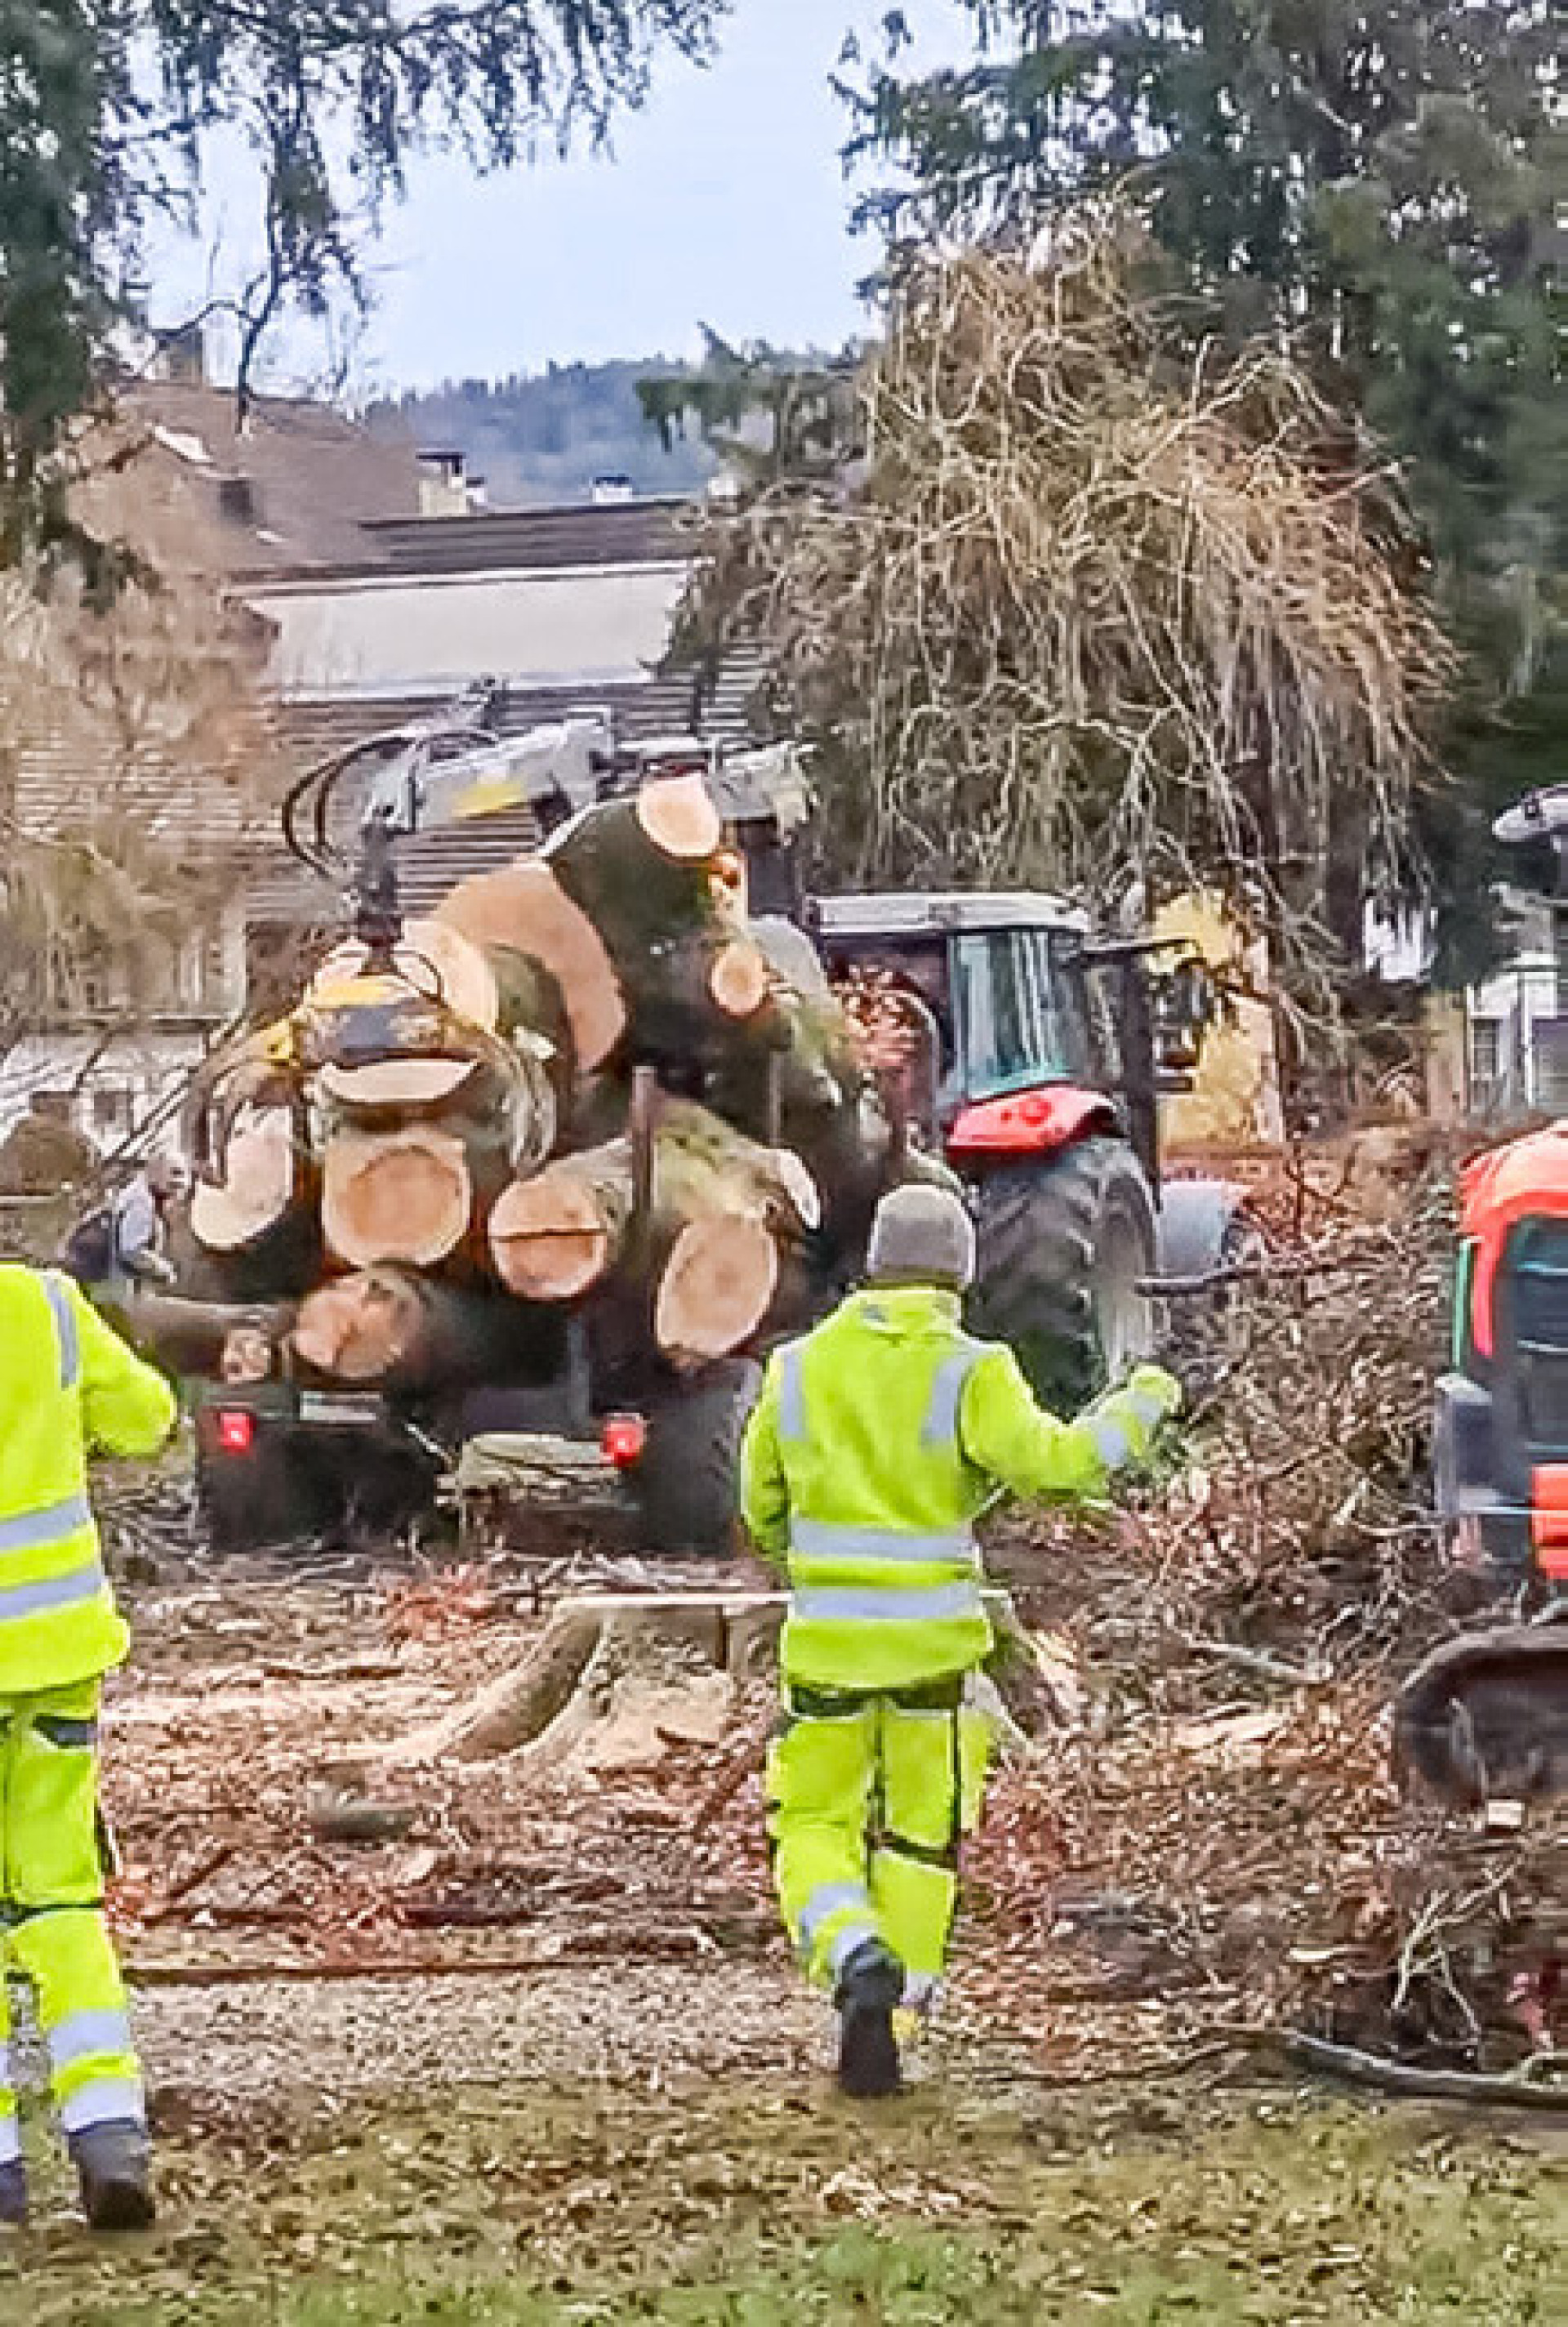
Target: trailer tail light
{"points": [[235, 1430], [622, 1439]]}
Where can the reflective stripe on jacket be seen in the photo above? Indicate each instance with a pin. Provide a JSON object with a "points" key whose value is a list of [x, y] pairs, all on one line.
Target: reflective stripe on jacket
{"points": [[875, 1443], [66, 1382]]}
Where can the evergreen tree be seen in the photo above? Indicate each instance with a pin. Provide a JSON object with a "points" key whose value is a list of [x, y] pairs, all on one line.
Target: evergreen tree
{"points": [[1382, 180]]}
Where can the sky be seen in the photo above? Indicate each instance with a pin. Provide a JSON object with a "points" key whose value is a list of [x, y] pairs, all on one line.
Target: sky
{"points": [[724, 201]]}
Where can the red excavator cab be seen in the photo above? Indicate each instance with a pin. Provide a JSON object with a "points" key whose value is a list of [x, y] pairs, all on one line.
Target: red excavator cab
{"points": [[1502, 1446], [1485, 1718]]}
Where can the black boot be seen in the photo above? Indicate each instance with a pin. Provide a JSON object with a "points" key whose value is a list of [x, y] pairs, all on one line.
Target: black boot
{"points": [[13, 2194], [869, 1988], [113, 2166]]}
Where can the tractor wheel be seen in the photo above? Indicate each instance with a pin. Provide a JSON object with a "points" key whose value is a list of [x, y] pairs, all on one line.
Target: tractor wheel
{"points": [[1064, 1247], [687, 1480]]}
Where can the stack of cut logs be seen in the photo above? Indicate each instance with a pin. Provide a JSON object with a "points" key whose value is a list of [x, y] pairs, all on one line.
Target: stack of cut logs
{"points": [[435, 1159]]}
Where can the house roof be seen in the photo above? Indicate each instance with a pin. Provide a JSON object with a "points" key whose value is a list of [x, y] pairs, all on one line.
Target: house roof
{"points": [[608, 533], [296, 490]]}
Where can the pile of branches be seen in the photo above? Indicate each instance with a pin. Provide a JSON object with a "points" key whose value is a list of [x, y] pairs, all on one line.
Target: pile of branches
{"points": [[1103, 605], [1226, 1825]]}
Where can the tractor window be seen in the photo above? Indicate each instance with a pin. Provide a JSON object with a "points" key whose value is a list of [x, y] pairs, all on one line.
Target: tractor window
{"points": [[1014, 1030]]}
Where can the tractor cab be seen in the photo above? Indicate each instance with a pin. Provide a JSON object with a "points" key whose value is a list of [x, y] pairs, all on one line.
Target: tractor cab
{"points": [[1030, 1058], [1017, 1029], [996, 979]]}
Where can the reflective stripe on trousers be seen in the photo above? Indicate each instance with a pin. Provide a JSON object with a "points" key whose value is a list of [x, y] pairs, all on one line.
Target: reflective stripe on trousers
{"points": [[87, 2036], [107, 2100]]}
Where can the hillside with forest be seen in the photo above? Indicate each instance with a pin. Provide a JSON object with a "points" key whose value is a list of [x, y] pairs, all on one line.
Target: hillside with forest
{"points": [[545, 436]]}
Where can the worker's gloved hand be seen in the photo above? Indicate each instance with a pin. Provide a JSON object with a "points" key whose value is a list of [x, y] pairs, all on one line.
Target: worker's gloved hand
{"points": [[1158, 1393], [1130, 1417]]}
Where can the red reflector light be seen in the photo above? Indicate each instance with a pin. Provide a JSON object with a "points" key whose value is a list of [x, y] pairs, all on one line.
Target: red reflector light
{"points": [[622, 1439], [235, 1431]]}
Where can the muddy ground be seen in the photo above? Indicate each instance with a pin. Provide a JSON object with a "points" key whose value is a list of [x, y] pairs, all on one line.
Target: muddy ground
{"points": [[518, 2041]]}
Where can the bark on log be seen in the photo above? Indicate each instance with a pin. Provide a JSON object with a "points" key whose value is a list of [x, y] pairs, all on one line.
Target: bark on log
{"points": [[401, 1330], [690, 969], [555, 1237], [523, 909], [193, 1337]]}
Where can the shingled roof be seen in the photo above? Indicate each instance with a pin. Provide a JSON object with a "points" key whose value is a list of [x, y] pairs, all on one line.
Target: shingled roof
{"points": [[296, 487]]}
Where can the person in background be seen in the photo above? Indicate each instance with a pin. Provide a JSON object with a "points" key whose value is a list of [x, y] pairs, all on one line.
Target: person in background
{"points": [[67, 1384], [139, 1221], [876, 1442]]}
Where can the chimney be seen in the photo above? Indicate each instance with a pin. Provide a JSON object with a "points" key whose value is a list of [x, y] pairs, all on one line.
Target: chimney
{"points": [[182, 356], [236, 501], [610, 492], [443, 484]]}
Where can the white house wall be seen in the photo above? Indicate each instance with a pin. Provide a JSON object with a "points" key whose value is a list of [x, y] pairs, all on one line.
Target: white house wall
{"points": [[117, 1089], [425, 633]]}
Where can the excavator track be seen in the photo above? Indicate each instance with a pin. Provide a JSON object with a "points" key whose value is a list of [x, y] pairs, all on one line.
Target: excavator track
{"points": [[1486, 1717]]}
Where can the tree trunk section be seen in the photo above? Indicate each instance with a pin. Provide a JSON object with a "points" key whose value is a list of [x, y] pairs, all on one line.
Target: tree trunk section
{"points": [[406, 1195], [524, 911], [402, 1330], [261, 1175], [556, 1237], [520, 1704]]}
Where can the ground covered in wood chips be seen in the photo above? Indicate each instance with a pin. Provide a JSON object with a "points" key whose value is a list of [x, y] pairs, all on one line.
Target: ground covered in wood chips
{"points": [[517, 2040]]}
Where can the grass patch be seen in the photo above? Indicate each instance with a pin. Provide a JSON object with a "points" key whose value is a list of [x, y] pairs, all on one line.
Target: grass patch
{"points": [[728, 2208]]}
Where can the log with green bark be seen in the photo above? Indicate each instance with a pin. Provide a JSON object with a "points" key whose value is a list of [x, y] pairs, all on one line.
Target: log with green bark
{"points": [[576, 1226], [523, 913]]}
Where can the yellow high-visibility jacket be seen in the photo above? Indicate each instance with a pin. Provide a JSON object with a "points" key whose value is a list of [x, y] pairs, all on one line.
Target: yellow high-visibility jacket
{"points": [[67, 1383], [875, 1443]]}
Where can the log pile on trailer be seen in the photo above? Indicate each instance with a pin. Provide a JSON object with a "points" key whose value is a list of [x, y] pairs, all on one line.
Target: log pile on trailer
{"points": [[586, 1087]]}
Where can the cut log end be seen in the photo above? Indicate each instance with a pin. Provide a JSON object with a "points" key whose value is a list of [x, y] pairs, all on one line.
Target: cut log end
{"points": [[397, 1085], [404, 1195], [258, 1187], [716, 1289], [524, 908], [739, 980], [678, 814], [359, 1329], [435, 958], [549, 1237]]}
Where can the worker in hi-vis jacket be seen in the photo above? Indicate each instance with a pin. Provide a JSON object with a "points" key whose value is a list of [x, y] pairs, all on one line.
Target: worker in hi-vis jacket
{"points": [[67, 1384], [877, 1440]]}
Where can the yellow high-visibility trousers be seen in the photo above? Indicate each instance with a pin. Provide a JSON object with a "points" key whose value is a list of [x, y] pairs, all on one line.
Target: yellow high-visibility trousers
{"points": [[869, 1798], [51, 1923]]}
